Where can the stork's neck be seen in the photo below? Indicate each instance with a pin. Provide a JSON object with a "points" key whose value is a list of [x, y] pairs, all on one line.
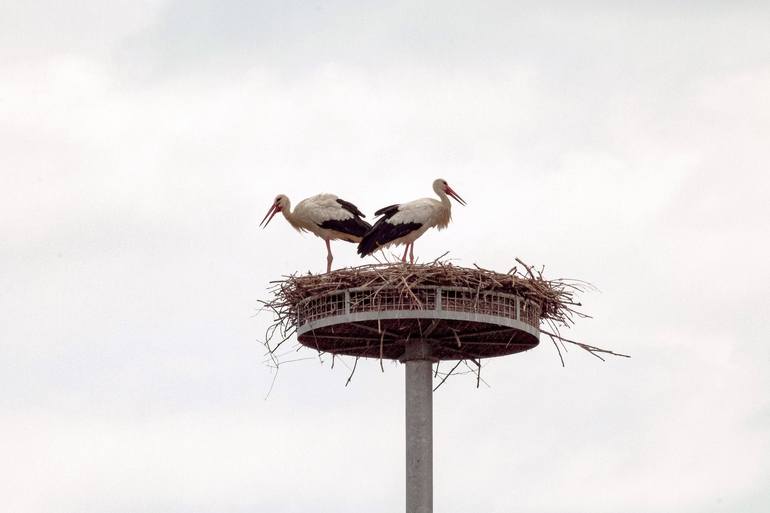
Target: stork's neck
{"points": [[290, 217], [444, 198]]}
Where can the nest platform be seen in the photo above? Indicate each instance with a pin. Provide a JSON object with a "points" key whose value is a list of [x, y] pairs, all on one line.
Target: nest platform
{"points": [[374, 311], [459, 322]]}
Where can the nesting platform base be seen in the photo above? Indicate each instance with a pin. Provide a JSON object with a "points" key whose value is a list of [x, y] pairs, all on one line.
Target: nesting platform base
{"points": [[458, 322]]}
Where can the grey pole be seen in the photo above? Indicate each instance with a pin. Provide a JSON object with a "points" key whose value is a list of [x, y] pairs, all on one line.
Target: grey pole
{"points": [[419, 427]]}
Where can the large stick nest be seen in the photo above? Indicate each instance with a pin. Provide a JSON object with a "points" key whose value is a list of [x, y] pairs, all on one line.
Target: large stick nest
{"points": [[556, 298]]}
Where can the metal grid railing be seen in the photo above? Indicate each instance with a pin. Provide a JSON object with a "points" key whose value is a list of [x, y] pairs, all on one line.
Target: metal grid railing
{"points": [[489, 303], [321, 307], [379, 300], [529, 313], [452, 299]]}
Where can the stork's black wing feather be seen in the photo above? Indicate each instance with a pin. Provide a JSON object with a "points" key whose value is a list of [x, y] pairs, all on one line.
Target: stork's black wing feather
{"points": [[387, 211], [354, 227], [383, 232], [350, 207]]}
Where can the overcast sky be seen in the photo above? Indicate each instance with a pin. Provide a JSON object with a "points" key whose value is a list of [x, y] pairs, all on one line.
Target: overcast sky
{"points": [[142, 141]]}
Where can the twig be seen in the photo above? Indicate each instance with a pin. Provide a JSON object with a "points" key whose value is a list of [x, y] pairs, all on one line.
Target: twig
{"points": [[457, 338], [382, 339], [448, 374], [355, 363], [591, 349]]}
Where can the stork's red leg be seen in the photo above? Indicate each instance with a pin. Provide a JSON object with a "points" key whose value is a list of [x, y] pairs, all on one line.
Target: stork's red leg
{"points": [[403, 258], [329, 256], [411, 253]]}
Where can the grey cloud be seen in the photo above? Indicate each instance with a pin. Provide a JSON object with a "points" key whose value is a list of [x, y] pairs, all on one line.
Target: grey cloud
{"points": [[623, 146]]}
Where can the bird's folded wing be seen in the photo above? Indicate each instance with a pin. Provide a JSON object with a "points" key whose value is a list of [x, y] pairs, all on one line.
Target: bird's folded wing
{"points": [[350, 207]]}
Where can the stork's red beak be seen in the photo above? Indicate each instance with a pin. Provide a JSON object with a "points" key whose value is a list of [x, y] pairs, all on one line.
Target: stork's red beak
{"points": [[274, 209], [456, 196]]}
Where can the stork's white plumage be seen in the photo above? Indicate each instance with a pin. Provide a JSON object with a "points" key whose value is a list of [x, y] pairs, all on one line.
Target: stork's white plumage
{"points": [[325, 215], [406, 222]]}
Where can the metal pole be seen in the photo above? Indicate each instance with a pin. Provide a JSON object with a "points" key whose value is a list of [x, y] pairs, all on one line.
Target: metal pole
{"points": [[419, 427]]}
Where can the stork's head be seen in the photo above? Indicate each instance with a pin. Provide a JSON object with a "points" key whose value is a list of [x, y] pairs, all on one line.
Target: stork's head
{"points": [[280, 203], [441, 185]]}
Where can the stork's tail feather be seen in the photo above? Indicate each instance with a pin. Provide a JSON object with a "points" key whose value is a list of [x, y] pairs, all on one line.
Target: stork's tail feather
{"points": [[368, 244]]}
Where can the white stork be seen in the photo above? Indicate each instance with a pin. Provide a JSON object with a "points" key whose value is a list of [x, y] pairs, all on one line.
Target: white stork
{"points": [[325, 215], [405, 223]]}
